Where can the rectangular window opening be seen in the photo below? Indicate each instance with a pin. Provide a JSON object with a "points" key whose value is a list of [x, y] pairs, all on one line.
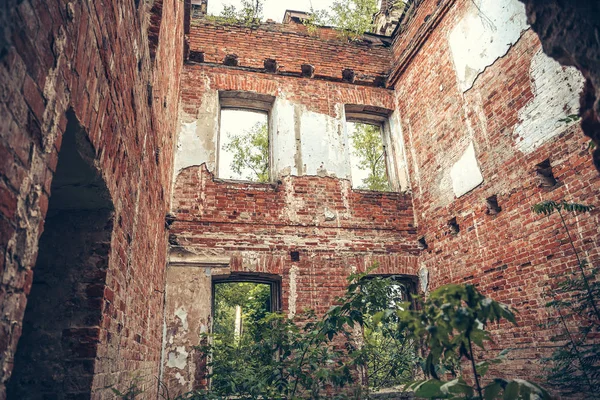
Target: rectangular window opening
{"points": [[368, 158], [240, 305], [387, 292], [244, 145]]}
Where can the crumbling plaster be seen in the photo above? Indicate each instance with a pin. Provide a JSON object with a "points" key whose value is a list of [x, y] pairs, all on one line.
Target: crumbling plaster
{"points": [[485, 33], [302, 141], [544, 117]]}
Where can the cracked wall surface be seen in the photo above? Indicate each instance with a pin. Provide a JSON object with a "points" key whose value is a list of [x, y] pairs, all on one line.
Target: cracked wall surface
{"points": [[93, 60], [253, 228], [510, 120]]}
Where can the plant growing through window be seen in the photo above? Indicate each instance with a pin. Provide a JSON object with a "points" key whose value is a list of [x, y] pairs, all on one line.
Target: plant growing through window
{"points": [[367, 157]]}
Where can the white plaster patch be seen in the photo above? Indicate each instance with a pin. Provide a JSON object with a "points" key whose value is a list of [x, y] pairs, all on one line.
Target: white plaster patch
{"points": [[466, 174], [485, 33], [329, 215], [283, 137], [197, 140], [180, 378], [324, 150], [293, 292], [182, 315], [178, 359], [556, 90]]}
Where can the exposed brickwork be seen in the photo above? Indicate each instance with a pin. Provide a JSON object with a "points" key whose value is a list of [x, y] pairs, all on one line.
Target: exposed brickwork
{"points": [[119, 68], [197, 79], [291, 45], [93, 57], [510, 255], [255, 227]]}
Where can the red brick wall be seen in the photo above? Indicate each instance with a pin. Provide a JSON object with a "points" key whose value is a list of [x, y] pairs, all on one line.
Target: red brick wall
{"points": [[257, 225], [511, 256], [197, 78], [93, 57], [291, 46]]}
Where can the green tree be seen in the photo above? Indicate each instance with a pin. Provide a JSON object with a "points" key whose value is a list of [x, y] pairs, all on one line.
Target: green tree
{"points": [[250, 13], [368, 148], [574, 367], [251, 152], [354, 17], [255, 300]]}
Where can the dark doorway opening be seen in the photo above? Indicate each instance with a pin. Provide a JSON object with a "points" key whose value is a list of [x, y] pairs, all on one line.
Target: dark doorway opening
{"points": [[61, 329]]}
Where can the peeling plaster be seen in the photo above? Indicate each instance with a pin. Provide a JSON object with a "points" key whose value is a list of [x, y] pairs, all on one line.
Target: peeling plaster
{"points": [[465, 173], [293, 291], [485, 33], [178, 359], [556, 92], [182, 315], [197, 141], [324, 144]]}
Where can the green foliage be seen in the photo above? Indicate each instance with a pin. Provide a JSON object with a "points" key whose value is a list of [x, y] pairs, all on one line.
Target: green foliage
{"points": [[307, 356], [574, 368], [352, 18], [549, 207], [132, 391], [251, 151], [254, 298], [450, 321], [368, 147], [250, 14]]}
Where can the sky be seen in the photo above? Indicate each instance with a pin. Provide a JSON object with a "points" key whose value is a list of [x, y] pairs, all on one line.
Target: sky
{"points": [[273, 9]]}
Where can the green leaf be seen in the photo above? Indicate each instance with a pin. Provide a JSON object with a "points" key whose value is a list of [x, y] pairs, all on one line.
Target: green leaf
{"points": [[492, 391], [429, 389], [511, 392]]}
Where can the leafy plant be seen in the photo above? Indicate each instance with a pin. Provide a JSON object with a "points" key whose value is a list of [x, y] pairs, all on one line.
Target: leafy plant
{"points": [[250, 13], [132, 391], [570, 118], [352, 18], [311, 357], [451, 321], [574, 368]]}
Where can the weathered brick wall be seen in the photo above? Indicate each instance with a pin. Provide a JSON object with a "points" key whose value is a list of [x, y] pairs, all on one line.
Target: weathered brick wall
{"points": [[307, 120], [473, 135], [291, 45], [254, 228], [92, 57], [552, 20]]}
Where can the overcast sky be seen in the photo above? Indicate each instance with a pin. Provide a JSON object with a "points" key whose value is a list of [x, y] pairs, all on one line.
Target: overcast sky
{"points": [[273, 9]]}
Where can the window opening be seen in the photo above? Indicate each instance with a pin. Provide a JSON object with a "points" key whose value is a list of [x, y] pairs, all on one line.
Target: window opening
{"points": [[454, 227], [244, 145], [385, 344], [241, 305], [493, 207], [368, 157]]}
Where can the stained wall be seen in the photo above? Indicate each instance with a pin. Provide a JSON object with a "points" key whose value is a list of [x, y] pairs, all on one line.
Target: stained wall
{"points": [[481, 106], [93, 58]]}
